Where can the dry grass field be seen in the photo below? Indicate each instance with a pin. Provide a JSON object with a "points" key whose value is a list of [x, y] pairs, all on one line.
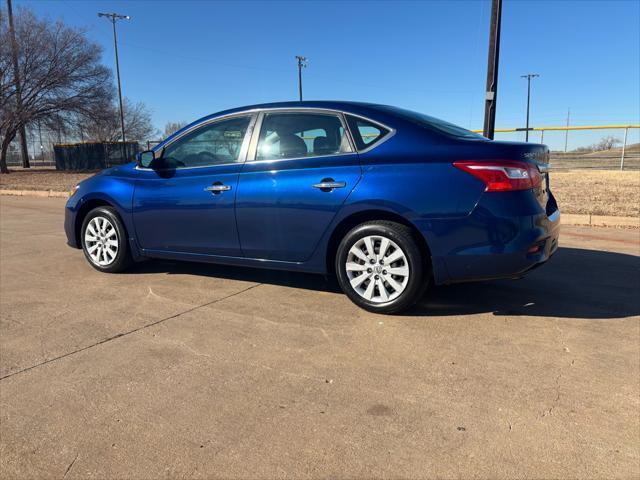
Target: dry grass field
{"points": [[598, 192]]}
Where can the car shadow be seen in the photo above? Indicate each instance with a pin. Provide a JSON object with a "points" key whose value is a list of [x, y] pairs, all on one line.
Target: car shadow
{"points": [[575, 283]]}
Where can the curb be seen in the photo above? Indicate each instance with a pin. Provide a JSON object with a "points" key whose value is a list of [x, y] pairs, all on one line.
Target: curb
{"points": [[599, 220], [566, 219], [34, 193]]}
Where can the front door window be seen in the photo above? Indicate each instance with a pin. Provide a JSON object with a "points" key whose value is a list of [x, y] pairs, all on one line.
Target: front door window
{"points": [[213, 144]]}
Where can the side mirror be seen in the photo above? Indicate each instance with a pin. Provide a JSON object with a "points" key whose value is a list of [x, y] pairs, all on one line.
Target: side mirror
{"points": [[146, 158]]}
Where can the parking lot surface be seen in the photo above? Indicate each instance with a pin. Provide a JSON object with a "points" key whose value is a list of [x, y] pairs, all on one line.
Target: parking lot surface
{"points": [[197, 371]]}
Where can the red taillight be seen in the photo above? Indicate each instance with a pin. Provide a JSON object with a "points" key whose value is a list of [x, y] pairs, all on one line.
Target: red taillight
{"points": [[502, 175]]}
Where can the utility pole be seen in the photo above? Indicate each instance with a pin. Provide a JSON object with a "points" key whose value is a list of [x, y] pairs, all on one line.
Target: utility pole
{"points": [[528, 76], [114, 17], [566, 132], [492, 70], [16, 74], [302, 63]]}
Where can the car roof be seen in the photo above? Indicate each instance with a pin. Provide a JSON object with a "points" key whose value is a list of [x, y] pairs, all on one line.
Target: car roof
{"points": [[324, 104], [375, 112]]}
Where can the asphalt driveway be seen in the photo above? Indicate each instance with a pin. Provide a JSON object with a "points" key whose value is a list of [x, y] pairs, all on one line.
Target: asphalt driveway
{"points": [[193, 371]]}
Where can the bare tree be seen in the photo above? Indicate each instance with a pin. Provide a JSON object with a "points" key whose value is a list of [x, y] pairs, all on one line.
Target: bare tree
{"points": [[172, 127], [105, 127], [61, 76], [606, 143]]}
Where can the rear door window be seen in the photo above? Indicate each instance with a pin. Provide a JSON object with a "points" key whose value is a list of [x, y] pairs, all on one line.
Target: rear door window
{"points": [[300, 135], [366, 133]]}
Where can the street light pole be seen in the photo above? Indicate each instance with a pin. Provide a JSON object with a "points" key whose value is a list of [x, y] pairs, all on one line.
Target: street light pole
{"points": [[528, 76], [302, 63], [114, 17]]}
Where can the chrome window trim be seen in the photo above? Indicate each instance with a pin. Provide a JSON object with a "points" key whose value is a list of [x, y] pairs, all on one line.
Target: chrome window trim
{"points": [[242, 156], [228, 116], [253, 134], [391, 133], [343, 154], [253, 148]]}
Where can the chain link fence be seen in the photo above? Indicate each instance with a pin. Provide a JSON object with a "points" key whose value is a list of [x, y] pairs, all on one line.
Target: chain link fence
{"points": [[51, 149], [605, 147], [93, 156], [595, 147]]}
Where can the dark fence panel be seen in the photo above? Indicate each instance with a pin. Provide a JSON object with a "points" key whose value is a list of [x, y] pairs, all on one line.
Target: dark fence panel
{"points": [[93, 156]]}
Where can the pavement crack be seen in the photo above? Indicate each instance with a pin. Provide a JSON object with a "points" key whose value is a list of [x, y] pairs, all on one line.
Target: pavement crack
{"points": [[129, 332], [561, 336], [70, 465], [565, 348], [549, 411]]}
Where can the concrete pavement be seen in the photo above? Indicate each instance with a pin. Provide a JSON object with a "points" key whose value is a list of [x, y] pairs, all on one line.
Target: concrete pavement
{"points": [[198, 371]]}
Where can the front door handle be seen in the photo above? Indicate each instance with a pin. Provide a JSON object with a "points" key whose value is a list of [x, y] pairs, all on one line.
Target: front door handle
{"points": [[329, 184], [217, 188]]}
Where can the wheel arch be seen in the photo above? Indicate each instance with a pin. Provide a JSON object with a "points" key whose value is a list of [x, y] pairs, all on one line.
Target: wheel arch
{"points": [[84, 210], [363, 216]]}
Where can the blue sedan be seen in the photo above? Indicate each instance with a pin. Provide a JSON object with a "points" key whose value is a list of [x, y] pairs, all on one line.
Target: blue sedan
{"points": [[388, 200]]}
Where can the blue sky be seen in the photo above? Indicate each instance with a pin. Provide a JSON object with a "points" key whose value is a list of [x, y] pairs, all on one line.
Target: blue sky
{"points": [[185, 59]]}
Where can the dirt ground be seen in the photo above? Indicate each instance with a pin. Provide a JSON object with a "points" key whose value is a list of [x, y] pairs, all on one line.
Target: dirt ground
{"points": [[41, 179], [598, 192]]}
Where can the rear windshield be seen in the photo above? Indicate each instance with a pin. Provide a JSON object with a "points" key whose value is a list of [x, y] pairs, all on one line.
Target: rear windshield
{"points": [[432, 123]]}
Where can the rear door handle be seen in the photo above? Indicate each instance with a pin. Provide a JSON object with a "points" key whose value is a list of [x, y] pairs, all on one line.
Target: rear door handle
{"points": [[329, 184], [217, 188]]}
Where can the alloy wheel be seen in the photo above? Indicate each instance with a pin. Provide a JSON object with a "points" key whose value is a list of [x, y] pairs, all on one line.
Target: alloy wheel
{"points": [[101, 241], [377, 268]]}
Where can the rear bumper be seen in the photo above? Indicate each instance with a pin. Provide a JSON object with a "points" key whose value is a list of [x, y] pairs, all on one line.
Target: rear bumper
{"points": [[512, 261], [504, 237]]}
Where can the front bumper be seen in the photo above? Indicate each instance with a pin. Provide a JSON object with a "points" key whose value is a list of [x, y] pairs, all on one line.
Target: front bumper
{"points": [[70, 212]]}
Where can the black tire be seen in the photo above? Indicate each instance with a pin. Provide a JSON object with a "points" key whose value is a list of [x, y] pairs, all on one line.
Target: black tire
{"points": [[418, 267], [122, 259]]}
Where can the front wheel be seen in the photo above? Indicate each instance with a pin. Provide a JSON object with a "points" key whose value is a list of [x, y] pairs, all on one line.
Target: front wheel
{"points": [[380, 267], [104, 240]]}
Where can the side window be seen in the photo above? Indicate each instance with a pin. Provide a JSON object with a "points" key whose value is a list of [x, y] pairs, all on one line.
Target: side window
{"points": [[294, 135], [365, 133], [214, 144]]}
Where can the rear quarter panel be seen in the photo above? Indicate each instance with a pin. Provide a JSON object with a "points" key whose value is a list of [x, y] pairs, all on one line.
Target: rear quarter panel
{"points": [[412, 174]]}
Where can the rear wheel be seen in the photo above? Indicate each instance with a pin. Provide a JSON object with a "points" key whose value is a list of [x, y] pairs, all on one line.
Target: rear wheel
{"points": [[104, 240], [380, 267]]}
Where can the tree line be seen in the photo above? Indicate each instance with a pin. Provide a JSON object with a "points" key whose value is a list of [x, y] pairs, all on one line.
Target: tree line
{"points": [[53, 76]]}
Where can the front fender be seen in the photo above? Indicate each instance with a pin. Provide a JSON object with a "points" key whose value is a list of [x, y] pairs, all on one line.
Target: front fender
{"points": [[99, 190]]}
